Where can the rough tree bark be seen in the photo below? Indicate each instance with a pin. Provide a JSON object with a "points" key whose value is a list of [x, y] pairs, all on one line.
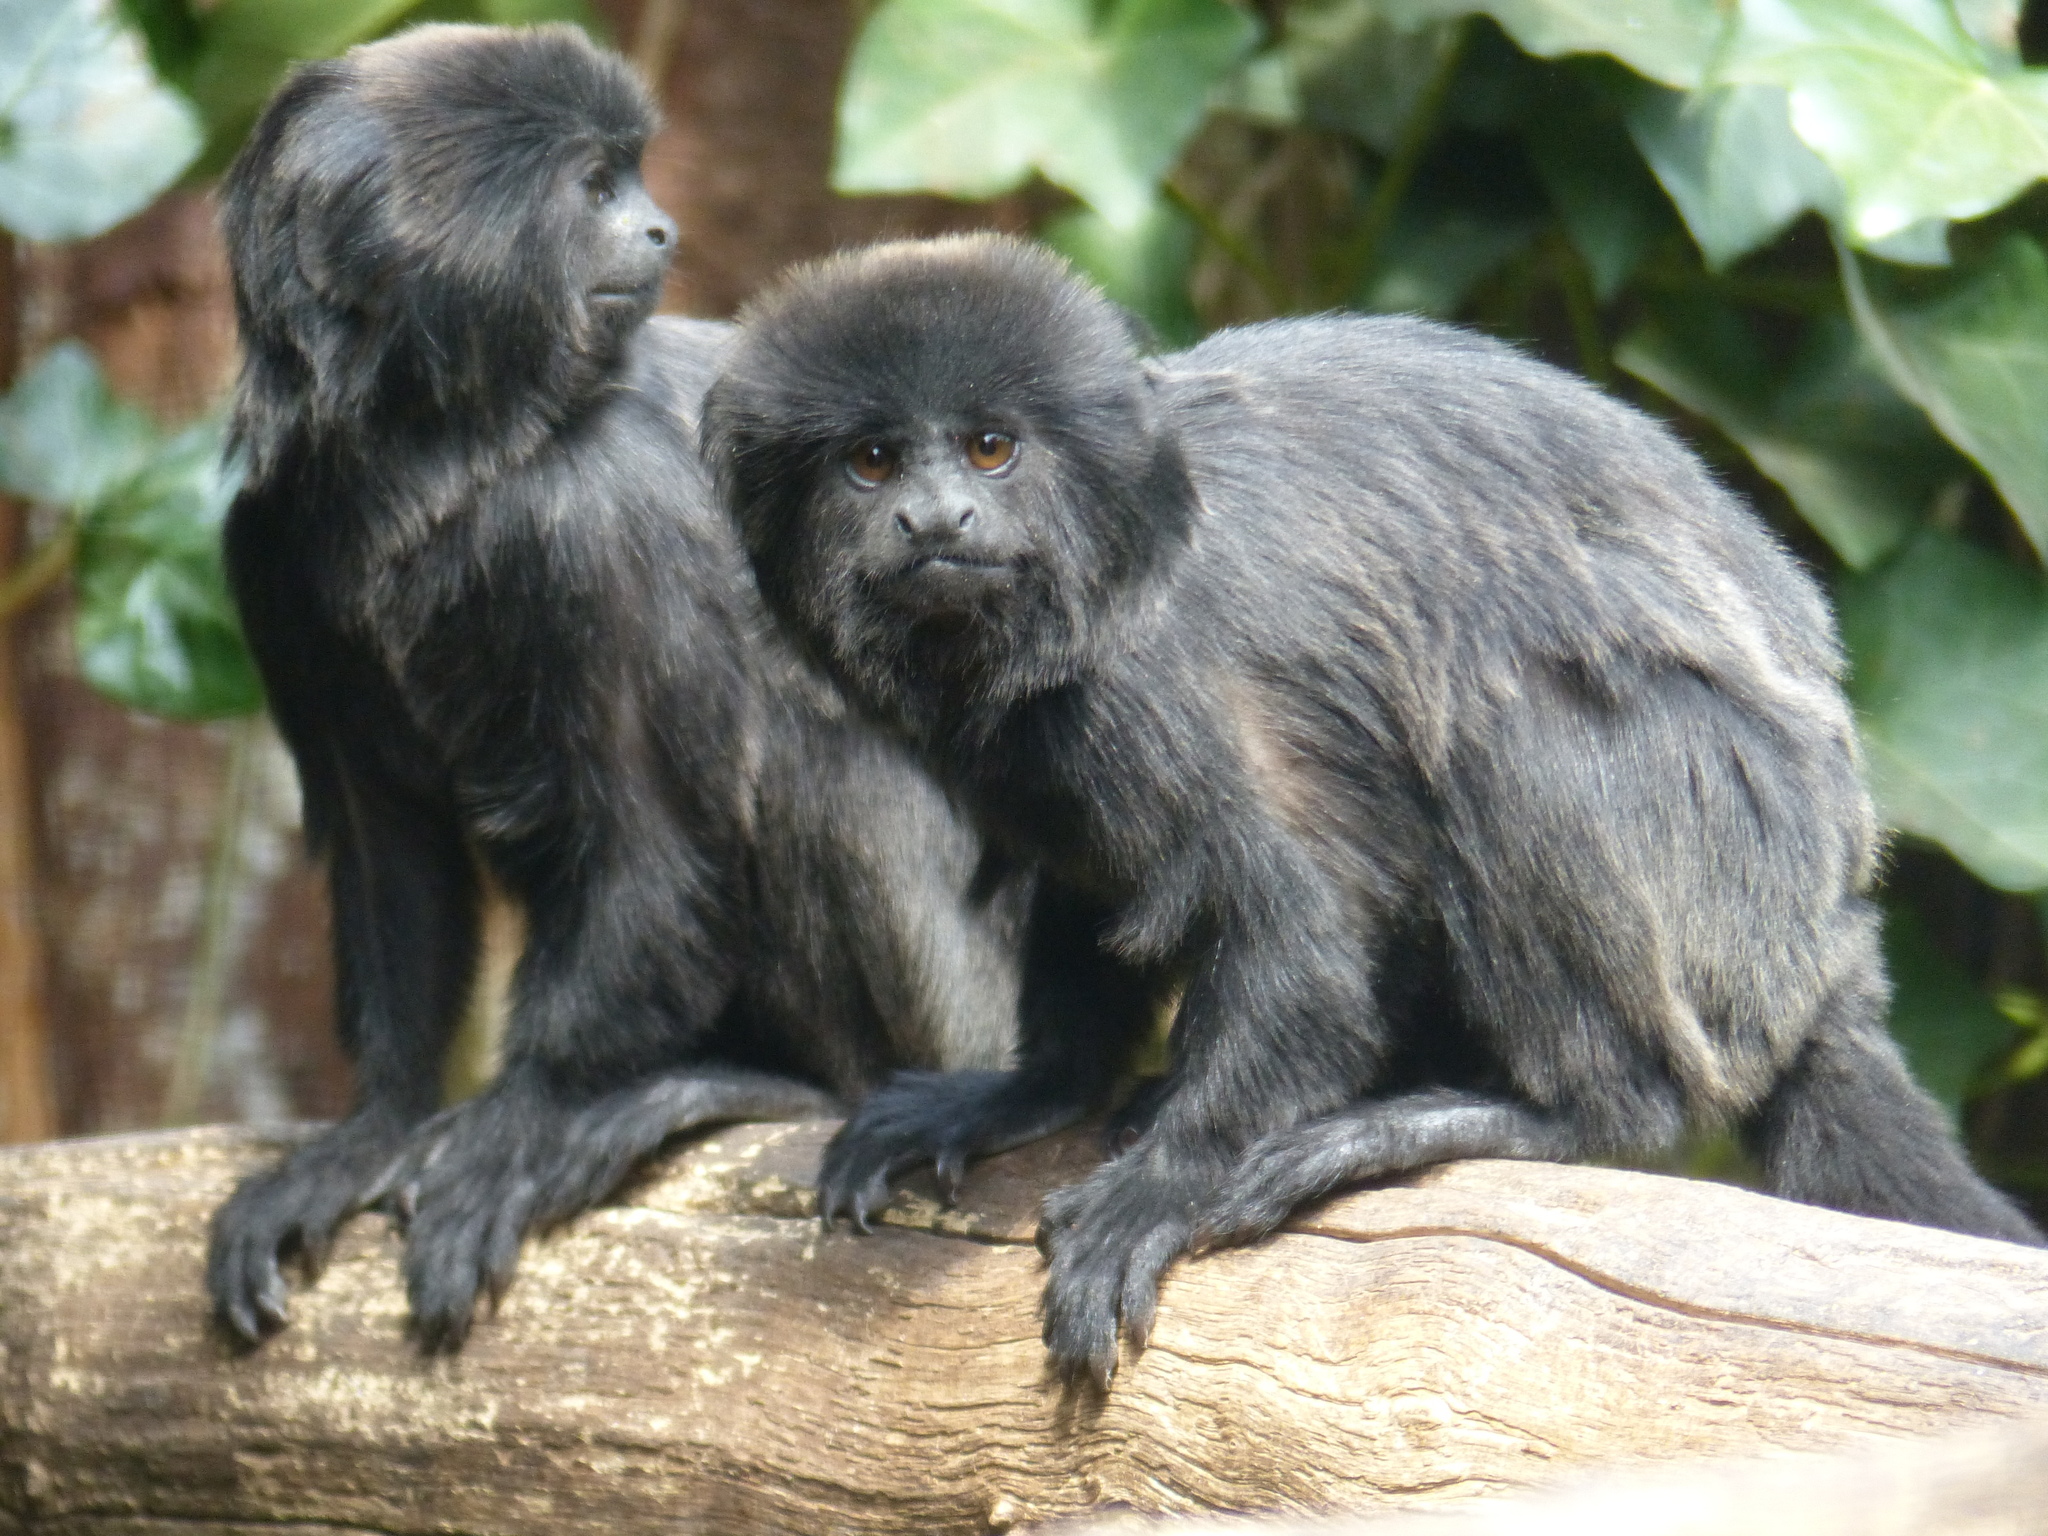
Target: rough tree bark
{"points": [[700, 1357]]}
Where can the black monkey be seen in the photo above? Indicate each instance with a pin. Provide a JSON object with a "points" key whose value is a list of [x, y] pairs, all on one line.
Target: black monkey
{"points": [[502, 620], [1475, 763]]}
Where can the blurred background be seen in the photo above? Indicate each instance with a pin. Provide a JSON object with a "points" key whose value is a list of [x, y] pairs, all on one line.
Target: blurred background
{"points": [[1808, 232]]}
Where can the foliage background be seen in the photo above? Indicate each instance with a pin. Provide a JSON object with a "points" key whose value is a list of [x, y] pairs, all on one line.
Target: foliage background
{"points": [[1809, 231]]}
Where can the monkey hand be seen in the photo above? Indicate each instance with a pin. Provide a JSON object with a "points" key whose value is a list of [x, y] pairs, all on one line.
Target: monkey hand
{"points": [[1106, 1241], [524, 1156], [292, 1212], [942, 1118]]}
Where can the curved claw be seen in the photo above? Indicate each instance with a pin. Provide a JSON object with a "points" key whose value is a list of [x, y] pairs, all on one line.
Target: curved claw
{"points": [[950, 1169]]}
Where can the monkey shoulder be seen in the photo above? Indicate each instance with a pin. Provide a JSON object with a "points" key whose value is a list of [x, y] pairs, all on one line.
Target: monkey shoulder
{"points": [[675, 358]]}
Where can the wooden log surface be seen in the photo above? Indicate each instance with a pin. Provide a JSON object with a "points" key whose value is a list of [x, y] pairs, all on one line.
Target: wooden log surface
{"points": [[1975, 1483], [698, 1356]]}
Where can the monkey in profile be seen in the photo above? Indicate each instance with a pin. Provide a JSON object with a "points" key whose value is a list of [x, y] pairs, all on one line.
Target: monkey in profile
{"points": [[503, 623], [1474, 765]]}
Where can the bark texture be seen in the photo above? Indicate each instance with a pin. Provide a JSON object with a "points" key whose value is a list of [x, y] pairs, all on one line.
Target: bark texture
{"points": [[700, 1357]]}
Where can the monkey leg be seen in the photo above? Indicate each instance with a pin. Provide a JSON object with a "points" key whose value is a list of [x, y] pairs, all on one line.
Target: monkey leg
{"points": [[1278, 1023], [1368, 1140], [1108, 1239], [522, 1157], [1848, 1128]]}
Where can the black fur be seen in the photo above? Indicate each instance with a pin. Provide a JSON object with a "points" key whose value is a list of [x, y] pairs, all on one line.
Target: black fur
{"points": [[1475, 763], [501, 619]]}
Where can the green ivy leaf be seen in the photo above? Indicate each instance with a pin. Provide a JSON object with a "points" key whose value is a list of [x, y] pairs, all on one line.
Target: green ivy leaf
{"points": [[248, 45], [64, 439], [1607, 202], [1895, 96], [1731, 162], [969, 97], [1355, 71], [88, 136], [1670, 41], [1950, 681], [1437, 252], [1942, 1019], [1143, 268], [156, 627], [1861, 464], [1970, 347]]}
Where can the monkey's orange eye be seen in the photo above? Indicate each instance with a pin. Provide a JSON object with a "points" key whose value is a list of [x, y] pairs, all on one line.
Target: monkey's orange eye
{"points": [[990, 451], [872, 462]]}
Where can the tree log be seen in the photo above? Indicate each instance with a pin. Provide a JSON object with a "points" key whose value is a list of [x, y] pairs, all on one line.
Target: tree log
{"points": [[698, 1356]]}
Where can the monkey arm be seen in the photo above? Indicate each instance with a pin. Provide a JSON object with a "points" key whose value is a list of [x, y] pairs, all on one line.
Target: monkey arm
{"points": [[404, 903], [404, 909], [1081, 1015], [1279, 1022]]}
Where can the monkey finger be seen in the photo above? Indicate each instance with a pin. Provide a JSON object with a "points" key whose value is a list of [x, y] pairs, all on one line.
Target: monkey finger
{"points": [[950, 1169], [258, 1297], [1139, 1303], [442, 1276], [1080, 1316], [272, 1300], [496, 1265], [239, 1314]]}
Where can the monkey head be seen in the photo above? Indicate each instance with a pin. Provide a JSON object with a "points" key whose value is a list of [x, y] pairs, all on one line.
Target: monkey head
{"points": [[444, 232], [946, 463]]}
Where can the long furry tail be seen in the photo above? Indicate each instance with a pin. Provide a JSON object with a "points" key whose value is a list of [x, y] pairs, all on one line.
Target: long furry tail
{"points": [[1848, 1128]]}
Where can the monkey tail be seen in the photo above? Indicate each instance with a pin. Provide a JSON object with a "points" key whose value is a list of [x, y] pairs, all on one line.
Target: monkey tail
{"points": [[1848, 1128]]}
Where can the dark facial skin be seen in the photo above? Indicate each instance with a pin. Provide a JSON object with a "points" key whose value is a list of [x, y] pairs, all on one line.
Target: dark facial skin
{"points": [[1469, 765], [940, 539], [628, 237]]}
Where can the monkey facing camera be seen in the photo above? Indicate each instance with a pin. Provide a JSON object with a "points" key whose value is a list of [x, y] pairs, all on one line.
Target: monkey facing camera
{"points": [[1472, 763], [504, 626]]}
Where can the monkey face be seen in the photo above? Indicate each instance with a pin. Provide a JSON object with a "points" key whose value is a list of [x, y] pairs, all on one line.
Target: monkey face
{"points": [[936, 518], [621, 241], [944, 459]]}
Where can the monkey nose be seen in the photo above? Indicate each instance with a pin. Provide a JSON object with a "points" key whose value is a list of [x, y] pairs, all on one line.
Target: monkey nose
{"points": [[661, 231], [937, 525]]}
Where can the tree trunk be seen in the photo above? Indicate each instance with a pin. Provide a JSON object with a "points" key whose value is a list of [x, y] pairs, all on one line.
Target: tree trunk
{"points": [[698, 1356]]}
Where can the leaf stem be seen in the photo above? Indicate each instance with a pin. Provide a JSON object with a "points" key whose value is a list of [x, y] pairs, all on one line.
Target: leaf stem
{"points": [[1359, 255], [35, 575], [1240, 254], [1794, 295], [214, 958], [1582, 307]]}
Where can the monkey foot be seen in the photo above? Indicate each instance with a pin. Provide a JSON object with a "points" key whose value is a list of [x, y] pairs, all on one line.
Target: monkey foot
{"points": [[1107, 1240]]}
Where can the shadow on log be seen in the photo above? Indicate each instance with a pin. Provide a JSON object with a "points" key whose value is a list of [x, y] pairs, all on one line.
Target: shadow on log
{"points": [[700, 1357]]}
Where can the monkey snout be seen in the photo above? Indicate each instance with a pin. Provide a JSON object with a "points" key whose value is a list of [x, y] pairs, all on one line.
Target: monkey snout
{"points": [[934, 525], [661, 231]]}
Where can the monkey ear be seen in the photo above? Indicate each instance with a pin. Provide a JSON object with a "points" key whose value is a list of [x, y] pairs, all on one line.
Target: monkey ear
{"points": [[1137, 331]]}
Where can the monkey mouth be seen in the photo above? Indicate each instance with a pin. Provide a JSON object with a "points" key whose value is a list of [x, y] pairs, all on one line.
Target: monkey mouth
{"points": [[955, 581]]}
